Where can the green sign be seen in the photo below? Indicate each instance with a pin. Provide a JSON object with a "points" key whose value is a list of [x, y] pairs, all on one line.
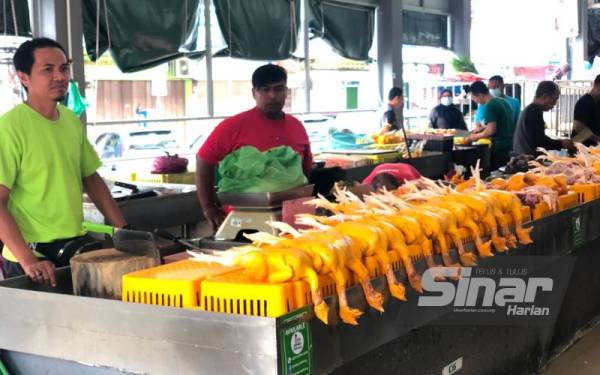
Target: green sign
{"points": [[296, 343], [578, 229]]}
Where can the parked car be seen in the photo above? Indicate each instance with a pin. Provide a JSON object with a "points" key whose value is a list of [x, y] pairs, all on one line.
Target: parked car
{"points": [[136, 143]]}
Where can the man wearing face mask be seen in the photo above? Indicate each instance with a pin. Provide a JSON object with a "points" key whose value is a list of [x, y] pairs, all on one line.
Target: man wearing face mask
{"points": [[499, 125], [496, 86], [446, 115]]}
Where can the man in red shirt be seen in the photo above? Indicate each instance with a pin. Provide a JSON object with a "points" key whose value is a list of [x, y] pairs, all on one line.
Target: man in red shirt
{"points": [[264, 127]]}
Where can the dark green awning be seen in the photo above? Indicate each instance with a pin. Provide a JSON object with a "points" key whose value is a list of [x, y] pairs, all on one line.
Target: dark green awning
{"points": [[15, 11], [259, 29], [347, 27], [141, 36]]}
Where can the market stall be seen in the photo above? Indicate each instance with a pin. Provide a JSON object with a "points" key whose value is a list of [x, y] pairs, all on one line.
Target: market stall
{"points": [[53, 329]]}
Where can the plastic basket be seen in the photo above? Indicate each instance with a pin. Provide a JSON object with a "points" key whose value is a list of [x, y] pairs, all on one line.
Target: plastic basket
{"points": [[236, 293], [175, 284], [567, 201], [586, 192], [541, 210], [383, 158], [171, 178], [349, 141]]}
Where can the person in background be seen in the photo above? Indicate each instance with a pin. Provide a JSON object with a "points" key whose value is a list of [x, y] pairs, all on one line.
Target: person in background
{"points": [[265, 126], [499, 124], [391, 176], [446, 115], [46, 162], [530, 133], [389, 121], [586, 117], [496, 86], [142, 113]]}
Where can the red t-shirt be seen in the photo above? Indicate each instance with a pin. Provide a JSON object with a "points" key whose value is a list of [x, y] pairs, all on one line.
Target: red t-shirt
{"points": [[253, 128], [402, 172]]}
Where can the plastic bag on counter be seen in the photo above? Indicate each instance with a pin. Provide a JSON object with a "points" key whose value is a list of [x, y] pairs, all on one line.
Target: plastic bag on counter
{"points": [[169, 164], [251, 171]]}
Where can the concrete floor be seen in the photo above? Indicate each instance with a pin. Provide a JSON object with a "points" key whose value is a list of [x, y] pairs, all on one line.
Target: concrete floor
{"points": [[583, 358]]}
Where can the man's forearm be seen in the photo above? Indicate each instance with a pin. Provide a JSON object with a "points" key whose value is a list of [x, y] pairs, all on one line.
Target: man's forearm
{"points": [[11, 236], [205, 184], [98, 192]]}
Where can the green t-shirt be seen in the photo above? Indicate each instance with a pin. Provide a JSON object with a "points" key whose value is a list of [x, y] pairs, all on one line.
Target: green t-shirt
{"points": [[498, 111], [43, 163]]}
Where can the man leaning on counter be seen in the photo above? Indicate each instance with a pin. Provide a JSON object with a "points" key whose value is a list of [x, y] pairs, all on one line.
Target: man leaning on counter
{"points": [[46, 161], [265, 126]]}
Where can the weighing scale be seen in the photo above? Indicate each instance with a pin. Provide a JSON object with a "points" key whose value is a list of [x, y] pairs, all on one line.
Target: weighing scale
{"points": [[251, 211]]}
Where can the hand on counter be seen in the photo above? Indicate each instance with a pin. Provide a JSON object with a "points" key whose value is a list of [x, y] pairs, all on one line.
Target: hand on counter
{"points": [[215, 216], [41, 272]]}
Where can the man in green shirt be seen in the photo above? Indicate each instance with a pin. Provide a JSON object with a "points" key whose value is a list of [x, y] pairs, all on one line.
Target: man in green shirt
{"points": [[499, 124], [46, 162]]}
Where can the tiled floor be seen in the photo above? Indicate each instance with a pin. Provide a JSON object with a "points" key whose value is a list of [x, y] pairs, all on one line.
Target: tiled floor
{"points": [[583, 358]]}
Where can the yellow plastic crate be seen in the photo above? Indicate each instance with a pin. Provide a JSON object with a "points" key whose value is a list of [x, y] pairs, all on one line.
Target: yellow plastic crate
{"points": [[541, 210], [171, 178], [236, 293], [375, 269], [586, 192], [175, 284], [383, 158], [567, 201]]}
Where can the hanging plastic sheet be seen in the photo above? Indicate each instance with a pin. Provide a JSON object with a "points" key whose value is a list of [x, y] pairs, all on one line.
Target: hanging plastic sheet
{"points": [[425, 29], [14, 19], [141, 36], [259, 29], [349, 28], [74, 101], [593, 35]]}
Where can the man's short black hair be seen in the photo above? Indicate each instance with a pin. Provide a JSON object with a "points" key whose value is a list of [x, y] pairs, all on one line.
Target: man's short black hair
{"points": [[446, 91], [479, 88], [548, 88], [394, 91], [497, 78], [597, 80], [23, 58], [384, 180], [267, 74]]}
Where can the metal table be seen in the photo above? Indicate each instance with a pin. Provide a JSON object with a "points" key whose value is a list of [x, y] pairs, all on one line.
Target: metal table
{"points": [[53, 329], [177, 208]]}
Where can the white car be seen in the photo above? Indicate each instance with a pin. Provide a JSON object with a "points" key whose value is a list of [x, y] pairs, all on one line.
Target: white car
{"points": [[135, 143]]}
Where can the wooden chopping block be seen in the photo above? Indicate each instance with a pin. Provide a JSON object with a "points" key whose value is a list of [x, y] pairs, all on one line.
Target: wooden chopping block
{"points": [[99, 273]]}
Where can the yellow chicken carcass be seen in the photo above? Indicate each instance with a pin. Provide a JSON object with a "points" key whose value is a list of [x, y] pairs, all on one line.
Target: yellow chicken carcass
{"points": [[510, 203], [478, 212], [352, 251], [274, 264], [561, 181], [374, 242], [411, 228], [518, 181], [451, 223], [348, 208], [431, 223], [456, 215], [498, 183], [326, 258]]}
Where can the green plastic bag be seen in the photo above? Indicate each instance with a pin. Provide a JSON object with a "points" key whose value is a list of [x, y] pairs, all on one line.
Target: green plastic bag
{"points": [[75, 102], [248, 170]]}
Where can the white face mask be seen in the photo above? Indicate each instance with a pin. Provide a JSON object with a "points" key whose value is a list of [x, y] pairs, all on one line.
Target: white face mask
{"points": [[496, 92], [446, 100]]}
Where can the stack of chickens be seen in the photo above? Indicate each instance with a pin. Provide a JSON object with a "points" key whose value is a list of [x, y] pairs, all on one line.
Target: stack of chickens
{"points": [[418, 221]]}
